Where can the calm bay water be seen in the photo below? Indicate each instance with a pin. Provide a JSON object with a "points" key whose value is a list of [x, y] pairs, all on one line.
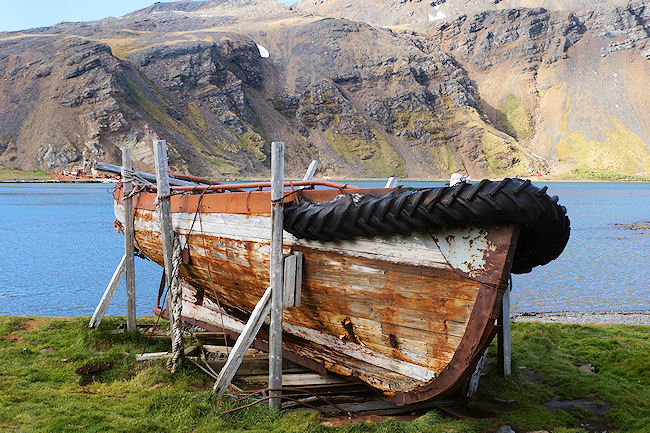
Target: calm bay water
{"points": [[58, 250]]}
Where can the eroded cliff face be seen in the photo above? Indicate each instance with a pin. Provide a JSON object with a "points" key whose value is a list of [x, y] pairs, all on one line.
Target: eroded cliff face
{"points": [[220, 79], [569, 82]]}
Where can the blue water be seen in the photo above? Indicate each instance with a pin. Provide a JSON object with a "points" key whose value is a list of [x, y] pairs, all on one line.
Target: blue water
{"points": [[58, 250]]}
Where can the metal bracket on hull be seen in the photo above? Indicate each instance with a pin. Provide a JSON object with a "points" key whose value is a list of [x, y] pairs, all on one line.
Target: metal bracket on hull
{"points": [[292, 279]]}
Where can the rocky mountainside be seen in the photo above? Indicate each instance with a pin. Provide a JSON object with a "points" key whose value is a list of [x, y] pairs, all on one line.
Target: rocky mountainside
{"points": [[491, 89]]}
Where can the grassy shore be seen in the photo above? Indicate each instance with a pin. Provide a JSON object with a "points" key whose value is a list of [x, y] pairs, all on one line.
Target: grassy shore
{"points": [[582, 174], [574, 175], [40, 392], [13, 174]]}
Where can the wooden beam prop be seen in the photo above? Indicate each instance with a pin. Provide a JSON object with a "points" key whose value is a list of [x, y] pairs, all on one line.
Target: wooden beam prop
{"points": [[276, 271], [127, 170], [309, 174], [292, 283], [503, 346], [167, 234], [108, 294], [244, 341], [391, 182]]}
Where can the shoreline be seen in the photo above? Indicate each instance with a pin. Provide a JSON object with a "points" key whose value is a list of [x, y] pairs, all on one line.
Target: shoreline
{"points": [[619, 317], [630, 317]]}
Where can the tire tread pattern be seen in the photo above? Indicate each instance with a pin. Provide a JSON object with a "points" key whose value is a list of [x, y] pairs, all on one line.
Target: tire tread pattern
{"points": [[544, 224]]}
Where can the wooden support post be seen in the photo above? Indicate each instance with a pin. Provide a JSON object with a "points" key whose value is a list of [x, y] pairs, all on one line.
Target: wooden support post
{"points": [[472, 387], [129, 234], [244, 341], [391, 182], [309, 174], [276, 272], [503, 346], [108, 294], [167, 235]]}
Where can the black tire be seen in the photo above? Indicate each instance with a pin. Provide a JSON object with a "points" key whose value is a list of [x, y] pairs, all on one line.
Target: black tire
{"points": [[544, 225]]}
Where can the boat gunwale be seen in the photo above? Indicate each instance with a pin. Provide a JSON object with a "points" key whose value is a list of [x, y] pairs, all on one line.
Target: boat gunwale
{"points": [[252, 202]]}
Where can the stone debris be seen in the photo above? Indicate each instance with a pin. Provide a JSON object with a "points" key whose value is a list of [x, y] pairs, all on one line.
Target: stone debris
{"points": [[586, 317]]}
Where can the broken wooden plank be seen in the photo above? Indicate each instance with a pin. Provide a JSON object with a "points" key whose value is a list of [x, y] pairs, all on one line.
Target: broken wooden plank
{"points": [[256, 366], [152, 355], [162, 355], [225, 350], [476, 376]]}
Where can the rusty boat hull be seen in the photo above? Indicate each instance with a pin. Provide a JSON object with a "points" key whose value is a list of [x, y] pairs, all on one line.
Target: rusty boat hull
{"points": [[407, 314]]}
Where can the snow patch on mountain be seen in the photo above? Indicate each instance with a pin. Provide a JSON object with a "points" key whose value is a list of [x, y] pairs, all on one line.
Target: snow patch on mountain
{"points": [[264, 53]]}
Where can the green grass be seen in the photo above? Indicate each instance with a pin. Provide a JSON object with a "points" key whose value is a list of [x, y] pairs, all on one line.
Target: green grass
{"points": [[40, 392], [15, 174], [620, 353], [603, 175]]}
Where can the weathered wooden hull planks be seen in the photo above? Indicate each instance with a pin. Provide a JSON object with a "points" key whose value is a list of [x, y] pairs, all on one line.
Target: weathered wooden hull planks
{"points": [[392, 312]]}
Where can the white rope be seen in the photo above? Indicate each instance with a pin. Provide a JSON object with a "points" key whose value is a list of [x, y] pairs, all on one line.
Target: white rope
{"points": [[130, 175], [175, 303]]}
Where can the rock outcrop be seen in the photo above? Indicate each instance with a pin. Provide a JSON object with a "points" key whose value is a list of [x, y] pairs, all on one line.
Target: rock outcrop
{"points": [[491, 90], [569, 81]]}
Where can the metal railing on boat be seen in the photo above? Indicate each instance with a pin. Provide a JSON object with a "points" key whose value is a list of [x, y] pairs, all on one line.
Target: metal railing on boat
{"points": [[261, 185]]}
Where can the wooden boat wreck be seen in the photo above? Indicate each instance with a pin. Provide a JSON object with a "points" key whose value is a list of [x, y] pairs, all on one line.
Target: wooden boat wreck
{"points": [[401, 287]]}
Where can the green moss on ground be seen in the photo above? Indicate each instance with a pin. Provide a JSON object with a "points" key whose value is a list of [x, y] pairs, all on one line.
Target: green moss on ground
{"points": [[602, 175], [515, 118], [40, 392], [14, 174], [196, 115], [621, 151], [553, 352]]}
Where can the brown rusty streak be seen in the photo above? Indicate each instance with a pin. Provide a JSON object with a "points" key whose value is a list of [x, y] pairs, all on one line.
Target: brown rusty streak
{"points": [[479, 333], [392, 276]]}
